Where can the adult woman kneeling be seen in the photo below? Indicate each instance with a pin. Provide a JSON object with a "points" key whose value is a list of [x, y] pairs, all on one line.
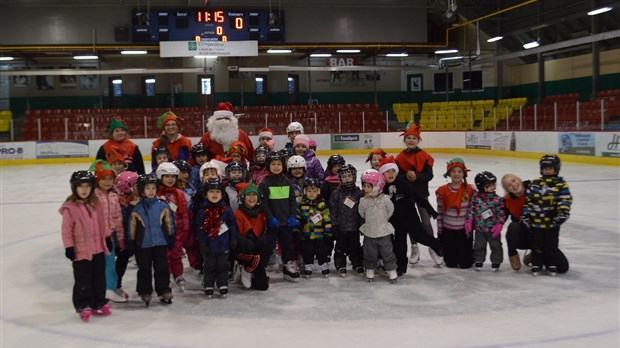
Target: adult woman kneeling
{"points": [[119, 142]]}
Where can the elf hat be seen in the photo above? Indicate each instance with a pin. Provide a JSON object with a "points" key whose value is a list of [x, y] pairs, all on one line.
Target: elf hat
{"points": [[117, 122], [238, 147], [413, 130], [101, 169], [244, 188], [456, 162], [167, 117], [377, 151], [115, 155]]}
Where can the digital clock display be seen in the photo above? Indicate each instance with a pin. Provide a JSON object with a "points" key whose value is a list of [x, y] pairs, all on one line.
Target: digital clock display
{"points": [[207, 25]]}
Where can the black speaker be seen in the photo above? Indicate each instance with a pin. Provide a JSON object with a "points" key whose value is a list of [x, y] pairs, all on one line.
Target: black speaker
{"points": [[121, 34]]}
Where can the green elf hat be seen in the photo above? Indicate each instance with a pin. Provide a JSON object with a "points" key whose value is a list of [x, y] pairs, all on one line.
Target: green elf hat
{"points": [[244, 188], [167, 117], [101, 169], [117, 122], [454, 163]]}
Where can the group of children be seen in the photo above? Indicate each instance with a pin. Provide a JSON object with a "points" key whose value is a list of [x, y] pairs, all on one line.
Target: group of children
{"points": [[234, 215]]}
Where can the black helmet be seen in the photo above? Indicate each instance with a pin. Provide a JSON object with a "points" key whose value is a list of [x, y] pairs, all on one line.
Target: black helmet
{"points": [[312, 182], [183, 166], [276, 156], [347, 168], [335, 159], [483, 179], [160, 150], [213, 184], [199, 149], [79, 177], [260, 150], [550, 161], [286, 153], [236, 166], [146, 179]]}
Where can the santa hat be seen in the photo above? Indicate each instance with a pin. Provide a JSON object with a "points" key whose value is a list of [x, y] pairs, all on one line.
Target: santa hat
{"points": [[265, 132], [244, 188], [167, 117], [377, 151], [302, 139], [456, 163], [387, 164], [238, 147], [224, 110], [414, 129], [101, 169], [115, 155], [117, 122]]}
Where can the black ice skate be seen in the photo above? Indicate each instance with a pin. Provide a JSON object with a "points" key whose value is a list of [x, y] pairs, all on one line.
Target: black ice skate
{"points": [[535, 271], [290, 272], [223, 291], [342, 271], [553, 271], [166, 298], [146, 298]]}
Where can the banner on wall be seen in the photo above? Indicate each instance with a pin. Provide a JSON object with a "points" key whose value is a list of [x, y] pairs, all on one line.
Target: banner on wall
{"points": [[355, 141], [612, 147], [16, 150], [576, 143], [60, 149], [478, 140]]}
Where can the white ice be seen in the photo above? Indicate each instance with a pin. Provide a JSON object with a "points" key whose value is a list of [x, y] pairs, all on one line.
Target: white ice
{"points": [[428, 307]]}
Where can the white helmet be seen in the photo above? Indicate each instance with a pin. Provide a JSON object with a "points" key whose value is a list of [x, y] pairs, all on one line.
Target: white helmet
{"points": [[166, 168], [296, 161], [215, 164], [295, 127]]}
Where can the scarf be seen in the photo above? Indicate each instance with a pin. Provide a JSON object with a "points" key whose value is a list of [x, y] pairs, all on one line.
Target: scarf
{"points": [[211, 224], [179, 197]]}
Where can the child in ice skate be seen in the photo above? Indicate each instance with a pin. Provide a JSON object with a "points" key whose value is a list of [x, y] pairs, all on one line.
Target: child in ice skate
{"points": [[279, 207], [315, 224], [266, 140], [86, 240], [417, 166], [314, 169], [293, 130], [253, 249], [332, 181], [296, 167], [151, 231], [235, 174], [375, 158], [216, 230], [547, 206], [452, 201], [343, 206], [405, 218], [116, 160], [376, 208], [128, 198], [110, 205], [486, 217], [238, 153], [160, 155], [200, 155], [258, 171], [184, 184], [168, 175]]}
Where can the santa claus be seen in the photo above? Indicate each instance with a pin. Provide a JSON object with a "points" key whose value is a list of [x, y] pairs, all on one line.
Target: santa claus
{"points": [[223, 130]]}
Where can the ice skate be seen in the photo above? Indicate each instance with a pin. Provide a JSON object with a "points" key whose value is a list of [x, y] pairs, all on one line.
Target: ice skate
{"points": [[359, 270], [223, 291], [436, 258], [290, 272], [307, 271], [495, 267], [393, 276], [478, 266], [114, 297], [180, 282], [274, 263], [535, 271], [85, 314], [122, 293], [552, 271], [325, 269], [515, 263], [415, 254], [246, 278], [527, 258], [370, 275], [104, 310], [166, 298], [342, 271], [236, 274], [209, 292], [146, 298]]}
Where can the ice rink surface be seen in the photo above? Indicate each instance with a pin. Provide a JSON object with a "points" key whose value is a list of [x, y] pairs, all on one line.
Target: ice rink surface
{"points": [[428, 307]]}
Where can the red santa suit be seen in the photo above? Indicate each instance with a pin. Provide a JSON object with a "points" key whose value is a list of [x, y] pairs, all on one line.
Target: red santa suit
{"points": [[222, 128]]}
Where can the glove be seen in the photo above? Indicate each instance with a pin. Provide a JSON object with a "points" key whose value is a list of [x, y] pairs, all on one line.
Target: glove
{"points": [[273, 222], [292, 222], [109, 244], [70, 253], [433, 214], [559, 219], [171, 243], [496, 230], [468, 227]]}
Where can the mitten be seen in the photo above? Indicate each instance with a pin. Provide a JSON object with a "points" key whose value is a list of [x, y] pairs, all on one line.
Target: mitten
{"points": [[70, 253], [469, 226], [109, 244], [273, 222], [560, 219], [496, 230], [292, 221]]}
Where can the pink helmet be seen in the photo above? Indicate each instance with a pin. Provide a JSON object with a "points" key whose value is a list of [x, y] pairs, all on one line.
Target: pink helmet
{"points": [[312, 143], [376, 179], [125, 181]]}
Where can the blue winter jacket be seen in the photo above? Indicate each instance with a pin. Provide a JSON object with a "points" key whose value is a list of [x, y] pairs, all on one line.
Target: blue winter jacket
{"points": [[222, 244], [152, 223]]}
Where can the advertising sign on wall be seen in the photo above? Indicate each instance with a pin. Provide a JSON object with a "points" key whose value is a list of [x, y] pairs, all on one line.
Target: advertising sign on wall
{"points": [[355, 141], [611, 144], [59, 149], [576, 143], [16, 150], [478, 140]]}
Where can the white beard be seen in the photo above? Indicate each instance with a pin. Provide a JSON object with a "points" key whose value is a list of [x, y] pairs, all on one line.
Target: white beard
{"points": [[223, 131]]}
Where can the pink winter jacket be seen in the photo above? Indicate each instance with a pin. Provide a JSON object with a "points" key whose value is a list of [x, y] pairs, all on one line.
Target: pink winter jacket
{"points": [[83, 229], [113, 214]]}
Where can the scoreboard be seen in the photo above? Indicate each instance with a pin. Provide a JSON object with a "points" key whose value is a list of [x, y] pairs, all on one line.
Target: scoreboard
{"points": [[207, 25]]}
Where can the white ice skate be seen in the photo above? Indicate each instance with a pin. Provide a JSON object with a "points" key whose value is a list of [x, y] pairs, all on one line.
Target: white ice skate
{"points": [[436, 258], [370, 275], [290, 272], [393, 276], [146, 298], [415, 254], [114, 297], [180, 282], [246, 278]]}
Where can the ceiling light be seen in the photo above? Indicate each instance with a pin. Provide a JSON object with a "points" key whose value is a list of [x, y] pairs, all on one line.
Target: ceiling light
{"points": [[117, 82], [447, 51], [452, 58], [258, 79], [134, 52], [87, 56], [348, 51], [532, 44], [599, 11], [278, 51], [496, 38], [397, 55], [149, 81], [321, 55], [6, 58], [205, 57]]}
